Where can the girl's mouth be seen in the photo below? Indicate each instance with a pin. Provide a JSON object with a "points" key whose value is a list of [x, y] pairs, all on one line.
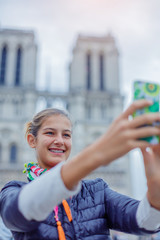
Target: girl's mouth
{"points": [[56, 150]]}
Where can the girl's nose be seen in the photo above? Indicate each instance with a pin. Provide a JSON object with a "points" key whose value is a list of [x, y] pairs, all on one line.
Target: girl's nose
{"points": [[58, 140]]}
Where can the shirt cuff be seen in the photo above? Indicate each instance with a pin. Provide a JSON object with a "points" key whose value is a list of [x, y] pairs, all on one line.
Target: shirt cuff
{"points": [[147, 217], [38, 198]]}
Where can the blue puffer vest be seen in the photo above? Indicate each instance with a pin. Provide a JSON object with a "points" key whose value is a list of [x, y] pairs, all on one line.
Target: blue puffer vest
{"points": [[95, 210]]}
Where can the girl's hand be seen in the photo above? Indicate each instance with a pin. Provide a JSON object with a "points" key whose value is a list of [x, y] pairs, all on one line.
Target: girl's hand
{"points": [[151, 158], [124, 134]]}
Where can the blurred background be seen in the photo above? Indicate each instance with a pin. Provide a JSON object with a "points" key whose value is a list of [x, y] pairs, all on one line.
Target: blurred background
{"points": [[82, 56]]}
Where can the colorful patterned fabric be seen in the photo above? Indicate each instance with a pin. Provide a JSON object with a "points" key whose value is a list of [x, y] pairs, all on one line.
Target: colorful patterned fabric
{"points": [[33, 170]]}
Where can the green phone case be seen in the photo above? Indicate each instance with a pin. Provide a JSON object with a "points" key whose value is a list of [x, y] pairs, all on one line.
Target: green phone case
{"points": [[150, 91]]}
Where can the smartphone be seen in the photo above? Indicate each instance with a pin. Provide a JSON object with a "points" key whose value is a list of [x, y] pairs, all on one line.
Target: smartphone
{"points": [[150, 91]]}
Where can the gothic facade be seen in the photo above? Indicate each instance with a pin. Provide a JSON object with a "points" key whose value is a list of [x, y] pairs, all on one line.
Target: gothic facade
{"points": [[93, 100]]}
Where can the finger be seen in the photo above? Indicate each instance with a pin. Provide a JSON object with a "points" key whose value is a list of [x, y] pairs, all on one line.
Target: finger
{"points": [[140, 144], [143, 132], [148, 161], [156, 149], [144, 119], [134, 106]]}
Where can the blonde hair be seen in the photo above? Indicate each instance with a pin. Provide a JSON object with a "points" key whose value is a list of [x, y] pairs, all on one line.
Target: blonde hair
{"points": [[34, 125]]}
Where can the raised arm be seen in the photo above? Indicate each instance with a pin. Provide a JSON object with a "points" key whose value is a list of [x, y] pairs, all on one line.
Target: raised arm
{"points": [[122, 136]]}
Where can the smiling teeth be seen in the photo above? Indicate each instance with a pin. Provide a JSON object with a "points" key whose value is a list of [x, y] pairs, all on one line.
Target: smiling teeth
{"points": [[57, 151]]}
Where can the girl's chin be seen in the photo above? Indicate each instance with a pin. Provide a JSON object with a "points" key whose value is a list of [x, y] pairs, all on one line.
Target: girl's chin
{"points": [[53, 164]]}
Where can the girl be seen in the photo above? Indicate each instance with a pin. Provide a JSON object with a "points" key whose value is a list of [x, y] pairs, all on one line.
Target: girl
{"points": [[56, 204]]}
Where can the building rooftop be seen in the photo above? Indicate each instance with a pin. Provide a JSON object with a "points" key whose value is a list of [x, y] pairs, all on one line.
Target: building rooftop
{"points": [[16, 31], [108, 37]]}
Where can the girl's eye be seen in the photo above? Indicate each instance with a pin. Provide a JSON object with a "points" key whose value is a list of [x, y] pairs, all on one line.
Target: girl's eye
{"points": [[49, 133], [67, 135]]}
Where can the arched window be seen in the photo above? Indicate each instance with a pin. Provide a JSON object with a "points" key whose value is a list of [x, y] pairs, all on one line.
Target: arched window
{"points": [[3, 65], [67, 106], [101, 71], [88, 70], [13, 153], [18, 67], [89, 112], [103, 111]]}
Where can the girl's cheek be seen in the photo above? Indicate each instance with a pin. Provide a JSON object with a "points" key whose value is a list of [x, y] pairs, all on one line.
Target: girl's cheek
{"points": [[47, 140]]}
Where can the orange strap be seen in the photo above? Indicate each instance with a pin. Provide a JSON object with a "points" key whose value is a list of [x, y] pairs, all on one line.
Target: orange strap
{"points": [[67, 210], [60, 231], [61, 234]]}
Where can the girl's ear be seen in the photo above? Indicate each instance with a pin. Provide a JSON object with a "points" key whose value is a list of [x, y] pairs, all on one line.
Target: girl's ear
{"points": [[31, 140]]}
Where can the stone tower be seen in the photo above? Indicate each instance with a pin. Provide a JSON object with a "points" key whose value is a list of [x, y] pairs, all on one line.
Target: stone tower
{"points": [[17, 97], [95, 100]]}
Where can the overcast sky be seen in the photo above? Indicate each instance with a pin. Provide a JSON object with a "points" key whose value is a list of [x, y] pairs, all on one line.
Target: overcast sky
{"points": [[135, 24]]}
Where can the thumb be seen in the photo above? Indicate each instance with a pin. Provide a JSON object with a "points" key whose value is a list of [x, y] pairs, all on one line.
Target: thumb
{"points": [[148, 161]]}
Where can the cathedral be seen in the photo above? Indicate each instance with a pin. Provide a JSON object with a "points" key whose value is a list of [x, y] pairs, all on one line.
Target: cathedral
{"points": [[93, 100]]}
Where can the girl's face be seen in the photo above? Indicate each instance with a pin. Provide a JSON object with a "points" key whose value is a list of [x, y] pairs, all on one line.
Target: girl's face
{"points": [[54, 141]]}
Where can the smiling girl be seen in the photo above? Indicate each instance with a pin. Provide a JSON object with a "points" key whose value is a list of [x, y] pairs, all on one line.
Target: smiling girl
{"points": [[58, 204]]}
